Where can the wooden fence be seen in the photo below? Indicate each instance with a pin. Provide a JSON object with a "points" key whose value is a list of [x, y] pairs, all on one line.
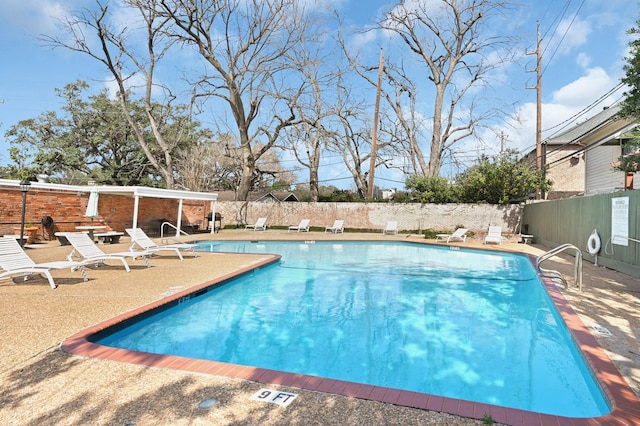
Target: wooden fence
{"points": [[573, 220]]}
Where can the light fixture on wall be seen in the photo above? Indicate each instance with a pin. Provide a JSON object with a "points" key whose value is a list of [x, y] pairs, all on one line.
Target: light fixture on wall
{"points": [[25, 185]]}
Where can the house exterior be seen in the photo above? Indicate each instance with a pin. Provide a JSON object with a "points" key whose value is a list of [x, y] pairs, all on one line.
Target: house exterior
{"points": [[579, 160]]}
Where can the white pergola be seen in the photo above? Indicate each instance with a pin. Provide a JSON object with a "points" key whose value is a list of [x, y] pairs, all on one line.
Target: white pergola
{"points": [[136, 192]]}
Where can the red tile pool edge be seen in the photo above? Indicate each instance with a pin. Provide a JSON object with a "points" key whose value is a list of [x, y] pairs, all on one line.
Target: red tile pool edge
{"points": [[625, 404]]}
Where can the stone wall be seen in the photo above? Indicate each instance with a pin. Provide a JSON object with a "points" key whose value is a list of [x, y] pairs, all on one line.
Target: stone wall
{"points": [[374, 216]]}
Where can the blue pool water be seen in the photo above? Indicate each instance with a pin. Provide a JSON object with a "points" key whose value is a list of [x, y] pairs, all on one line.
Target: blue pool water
{"points": [[460, 323]]}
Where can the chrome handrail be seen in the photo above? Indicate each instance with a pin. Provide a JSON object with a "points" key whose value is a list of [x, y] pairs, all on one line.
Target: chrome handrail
{"points": [[162, 238], [549, 273]]}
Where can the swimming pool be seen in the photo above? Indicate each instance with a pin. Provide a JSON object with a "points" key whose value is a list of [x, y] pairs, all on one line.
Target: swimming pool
{"points": [[467, 324]]}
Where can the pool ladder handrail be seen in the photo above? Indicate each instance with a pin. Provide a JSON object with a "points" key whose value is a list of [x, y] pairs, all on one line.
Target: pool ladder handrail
{"points": [[549, 273], [166, 240]]}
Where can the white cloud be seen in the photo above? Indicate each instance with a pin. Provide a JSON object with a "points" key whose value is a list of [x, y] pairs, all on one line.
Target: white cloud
{"points": [[595, 83], [583, 60], [572, 33], [569, 105], [361, 40], [123, 16], [35, 17]]}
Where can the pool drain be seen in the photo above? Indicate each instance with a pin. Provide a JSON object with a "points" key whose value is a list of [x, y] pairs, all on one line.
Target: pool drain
{"points": [[208, 403], [601, 330]]}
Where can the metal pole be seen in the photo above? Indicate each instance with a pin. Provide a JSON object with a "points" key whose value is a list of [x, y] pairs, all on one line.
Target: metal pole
{"points": [[24, 208], [24, 188]]}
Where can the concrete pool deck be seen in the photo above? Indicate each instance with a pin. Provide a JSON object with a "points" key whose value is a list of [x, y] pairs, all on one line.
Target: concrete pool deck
{"points": [[43, 385]]}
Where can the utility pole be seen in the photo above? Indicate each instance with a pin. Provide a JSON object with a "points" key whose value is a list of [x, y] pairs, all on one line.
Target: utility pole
{"points": [[374, 139], [540, 160]]}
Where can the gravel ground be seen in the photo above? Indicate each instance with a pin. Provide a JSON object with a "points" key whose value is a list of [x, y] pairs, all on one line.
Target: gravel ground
{"points": [[41, 385]]}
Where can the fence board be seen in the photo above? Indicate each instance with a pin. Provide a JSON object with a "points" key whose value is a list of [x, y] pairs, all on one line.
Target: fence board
{"points": [[573, 220]]}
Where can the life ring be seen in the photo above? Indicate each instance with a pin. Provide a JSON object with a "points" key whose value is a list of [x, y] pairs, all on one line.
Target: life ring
{"points": [[593, 243]]}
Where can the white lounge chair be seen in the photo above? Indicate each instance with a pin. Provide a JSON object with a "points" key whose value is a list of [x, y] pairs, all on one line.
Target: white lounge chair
{"points": [[87, 250], [141, 240], [260, 225], [303, 226], [14, 260], [338, 226], [494, 235], [392, 227], [458, 235]]}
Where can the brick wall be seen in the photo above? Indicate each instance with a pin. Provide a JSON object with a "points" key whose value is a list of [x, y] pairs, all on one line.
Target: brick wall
{"points": [[116, 212], [565, 171], [568, 175]]}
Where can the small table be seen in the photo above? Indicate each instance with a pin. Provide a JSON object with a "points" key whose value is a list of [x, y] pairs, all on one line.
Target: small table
{"points": [[90, 229], [526, 238], [109, 237]]}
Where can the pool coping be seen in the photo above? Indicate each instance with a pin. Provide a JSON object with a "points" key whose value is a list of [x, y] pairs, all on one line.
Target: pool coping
{"points": [[625, 404]]}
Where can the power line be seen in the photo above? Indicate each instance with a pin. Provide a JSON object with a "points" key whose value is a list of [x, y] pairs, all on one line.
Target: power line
{"points": [[584, 110], [564, 35], [555, 23]]}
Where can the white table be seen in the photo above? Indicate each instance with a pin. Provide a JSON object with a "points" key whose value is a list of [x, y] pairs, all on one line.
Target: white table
{"points": [[90, 229], [526, 238]]}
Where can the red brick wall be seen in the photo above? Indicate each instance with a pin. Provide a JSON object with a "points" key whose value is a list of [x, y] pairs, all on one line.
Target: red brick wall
{"points": [[67, 210]]}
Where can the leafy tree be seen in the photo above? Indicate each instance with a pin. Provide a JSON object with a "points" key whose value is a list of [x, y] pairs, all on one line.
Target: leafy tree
{"points": [[630, 105], [90, 140], [129, 52], [13, 171], [429, 189], [339, 196], [629, 161], [500, 180]]}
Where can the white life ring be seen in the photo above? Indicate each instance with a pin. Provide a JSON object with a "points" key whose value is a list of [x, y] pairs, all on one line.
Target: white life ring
{"points": [[593, 243]]}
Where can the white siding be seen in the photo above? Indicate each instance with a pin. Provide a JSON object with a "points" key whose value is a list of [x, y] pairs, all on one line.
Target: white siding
{"points": [[600, 176]]}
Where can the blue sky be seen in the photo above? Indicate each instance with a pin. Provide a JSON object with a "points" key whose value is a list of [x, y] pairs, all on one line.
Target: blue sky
{"points": [[584, 46]]}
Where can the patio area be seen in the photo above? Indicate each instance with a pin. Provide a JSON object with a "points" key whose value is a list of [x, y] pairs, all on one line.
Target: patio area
{"points": [[43, 385]]}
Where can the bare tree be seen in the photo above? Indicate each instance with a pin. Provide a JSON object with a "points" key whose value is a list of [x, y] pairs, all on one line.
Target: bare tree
{"points": [[314, 107], [400, 122], [305, 142], [117, 49], [245, 44], [197, 167], [459, 50], [215, 163], [352, 134]]}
